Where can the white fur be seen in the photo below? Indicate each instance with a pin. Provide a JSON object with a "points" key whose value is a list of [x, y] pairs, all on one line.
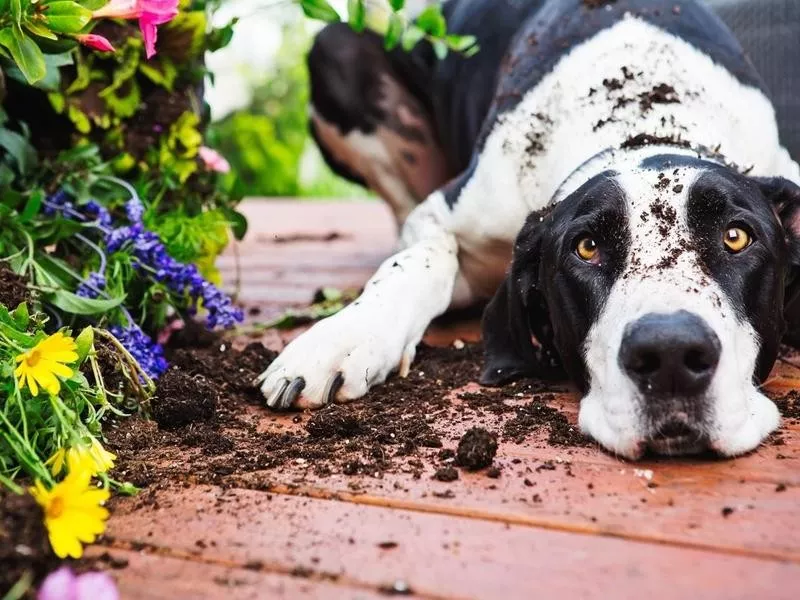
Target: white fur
{"points": [[612, 410]]}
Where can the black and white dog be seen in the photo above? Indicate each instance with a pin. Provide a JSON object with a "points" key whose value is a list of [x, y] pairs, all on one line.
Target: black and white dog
{"points": [[624, 158]]}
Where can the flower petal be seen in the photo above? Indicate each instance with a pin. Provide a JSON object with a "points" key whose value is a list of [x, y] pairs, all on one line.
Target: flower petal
{"points": [[59, 585]]}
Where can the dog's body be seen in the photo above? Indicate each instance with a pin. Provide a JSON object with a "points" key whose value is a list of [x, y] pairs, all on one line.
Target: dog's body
{"points": [[606, 141]]}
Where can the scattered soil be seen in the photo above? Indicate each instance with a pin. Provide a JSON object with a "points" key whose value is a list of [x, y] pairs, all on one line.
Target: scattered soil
{"points": [[23, 540], [645, 139], [476, 449], [13, 290], [210, 425]]}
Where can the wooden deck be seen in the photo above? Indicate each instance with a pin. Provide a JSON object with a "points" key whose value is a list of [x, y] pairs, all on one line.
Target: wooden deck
{"points": [[578, 524]]}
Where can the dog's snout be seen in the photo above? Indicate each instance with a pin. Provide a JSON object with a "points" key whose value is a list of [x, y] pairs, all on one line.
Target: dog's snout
{"points": [[670, 354]]}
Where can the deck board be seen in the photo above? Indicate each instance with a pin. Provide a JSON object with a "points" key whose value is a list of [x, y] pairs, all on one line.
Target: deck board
{"points": [[593, 526]]}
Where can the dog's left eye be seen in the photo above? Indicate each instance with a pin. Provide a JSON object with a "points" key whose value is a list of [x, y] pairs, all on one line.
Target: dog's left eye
{"points": [[587, 250], [737, 239]]}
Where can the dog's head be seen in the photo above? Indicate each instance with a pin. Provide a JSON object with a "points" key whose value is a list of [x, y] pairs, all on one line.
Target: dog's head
{"points": [[661, 288]]}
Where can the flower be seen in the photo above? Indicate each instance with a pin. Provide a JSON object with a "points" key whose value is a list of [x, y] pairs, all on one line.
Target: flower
{"points": [[73, 511], [213, 160], [147, 353], [42, 365], [150, 13], [180, 278], [92, 286], [134, 209], [94, 456], [97, 42], [63, 584]]}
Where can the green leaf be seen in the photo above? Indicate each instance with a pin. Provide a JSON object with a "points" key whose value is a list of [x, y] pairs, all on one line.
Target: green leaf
{"points": [[397, 4], [40, 30], [84, 342], [461, 43], [16, 11], [25, 52], [77, 305], [320, 10], [412, 37], [238, 223], [21, 316], [393, 32], [32, 206], [93, 4], [19, 149], [66, 16], [432, 21], [356, 14], [440, 48]]}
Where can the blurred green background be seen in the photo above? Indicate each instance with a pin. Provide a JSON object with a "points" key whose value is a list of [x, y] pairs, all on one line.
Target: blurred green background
{"points": [[259, 101]]}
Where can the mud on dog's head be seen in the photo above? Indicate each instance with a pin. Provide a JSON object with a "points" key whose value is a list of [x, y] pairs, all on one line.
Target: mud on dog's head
{"points": [[663, 290]]}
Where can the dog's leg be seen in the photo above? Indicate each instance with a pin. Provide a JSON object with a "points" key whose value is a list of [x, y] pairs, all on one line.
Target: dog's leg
{"points": [[341, 357], [371, 118]]}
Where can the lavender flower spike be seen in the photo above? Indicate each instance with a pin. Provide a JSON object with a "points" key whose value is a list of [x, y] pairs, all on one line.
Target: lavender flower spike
{"points": [[94, 284], [147, 353]]}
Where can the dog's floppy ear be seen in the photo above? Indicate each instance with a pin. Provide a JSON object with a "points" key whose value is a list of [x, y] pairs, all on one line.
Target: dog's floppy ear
{"points": [[785, 198], [517, 314]]}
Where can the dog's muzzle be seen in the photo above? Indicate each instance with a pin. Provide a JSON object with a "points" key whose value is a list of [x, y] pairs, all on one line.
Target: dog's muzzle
{"points": [[672, 358]]}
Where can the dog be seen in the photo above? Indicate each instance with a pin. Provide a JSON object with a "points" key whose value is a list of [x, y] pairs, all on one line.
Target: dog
{"points": [[608, 175]]}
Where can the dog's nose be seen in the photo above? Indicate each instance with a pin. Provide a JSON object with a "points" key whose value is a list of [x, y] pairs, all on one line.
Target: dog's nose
{"points": [[670, 354]]}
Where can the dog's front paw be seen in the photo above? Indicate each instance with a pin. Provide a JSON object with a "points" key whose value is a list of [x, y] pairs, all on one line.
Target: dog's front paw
{"points": [[338, 359]]}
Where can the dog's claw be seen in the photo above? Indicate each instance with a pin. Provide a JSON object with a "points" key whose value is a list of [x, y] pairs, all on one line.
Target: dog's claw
{"points": [[333, 385], [292, 392], [274, 400], [405, 365]]}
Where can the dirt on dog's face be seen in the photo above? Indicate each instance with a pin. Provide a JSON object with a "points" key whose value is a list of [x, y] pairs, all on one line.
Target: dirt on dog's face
{"points": [[660, 289]]}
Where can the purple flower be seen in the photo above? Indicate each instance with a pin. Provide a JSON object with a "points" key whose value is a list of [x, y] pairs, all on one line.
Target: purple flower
{"points": [[147, 353], [178, 277], [92, 286], [63, 584], [134, 209], [98, 212]]}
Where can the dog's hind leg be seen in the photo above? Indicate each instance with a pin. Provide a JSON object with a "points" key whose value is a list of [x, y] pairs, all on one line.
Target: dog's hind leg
{"points": [[371, 116]]}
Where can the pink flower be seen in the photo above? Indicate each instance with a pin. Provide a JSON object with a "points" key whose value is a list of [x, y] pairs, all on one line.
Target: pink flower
{"points": [[63, 584], [213, 160], [98, 42], [150, 13]]}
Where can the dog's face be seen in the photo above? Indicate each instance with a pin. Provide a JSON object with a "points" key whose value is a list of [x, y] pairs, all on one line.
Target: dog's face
{"points": [[660, 289]]}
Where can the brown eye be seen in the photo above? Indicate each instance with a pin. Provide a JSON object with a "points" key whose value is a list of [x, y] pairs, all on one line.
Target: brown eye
{"points": [[587, 249], [737, 239]]}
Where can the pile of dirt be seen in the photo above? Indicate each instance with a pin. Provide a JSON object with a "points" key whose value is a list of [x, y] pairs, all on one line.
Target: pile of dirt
{"points": [[24, 547], [211, 425], [13, 290]]}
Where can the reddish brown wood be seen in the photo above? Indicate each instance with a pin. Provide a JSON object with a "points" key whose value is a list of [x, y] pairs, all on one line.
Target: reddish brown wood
{"points": [[438, 555], [593, 526]]}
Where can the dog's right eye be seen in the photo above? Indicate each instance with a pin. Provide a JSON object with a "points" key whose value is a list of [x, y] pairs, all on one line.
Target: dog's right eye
{"points": [[587, 250]]}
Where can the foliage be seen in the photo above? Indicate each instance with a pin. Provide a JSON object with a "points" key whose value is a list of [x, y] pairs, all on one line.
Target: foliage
{"points": [[398, 29], [33, 428]]}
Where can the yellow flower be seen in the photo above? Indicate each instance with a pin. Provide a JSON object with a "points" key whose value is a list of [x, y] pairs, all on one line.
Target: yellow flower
{"points": [[44, 363], [97, 458], [73, 511]]}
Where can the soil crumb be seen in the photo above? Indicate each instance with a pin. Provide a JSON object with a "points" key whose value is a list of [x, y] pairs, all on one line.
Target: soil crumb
{"points": [[13, 290], [182, 399], [476, 449], [446, 474]]}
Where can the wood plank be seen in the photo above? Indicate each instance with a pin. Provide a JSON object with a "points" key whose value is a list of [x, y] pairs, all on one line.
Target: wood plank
{"points": [[438, 556], [162, 577]]}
